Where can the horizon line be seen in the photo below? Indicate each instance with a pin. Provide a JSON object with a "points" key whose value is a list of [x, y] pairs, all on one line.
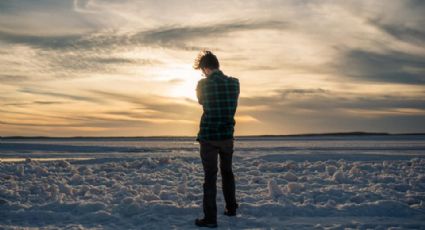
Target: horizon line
{"points": [[354, 133]]}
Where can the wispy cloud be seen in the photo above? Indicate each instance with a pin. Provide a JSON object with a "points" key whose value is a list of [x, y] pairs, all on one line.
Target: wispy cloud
{"points": [[173, 36], [178, 36], [320, 100], [61, 95], [153, 107], [34, 103], [13, 79]]}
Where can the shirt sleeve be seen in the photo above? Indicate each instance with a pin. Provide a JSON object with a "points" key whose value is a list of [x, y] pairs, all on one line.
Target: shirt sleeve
{"points": [[199, 92], [238, 90]]}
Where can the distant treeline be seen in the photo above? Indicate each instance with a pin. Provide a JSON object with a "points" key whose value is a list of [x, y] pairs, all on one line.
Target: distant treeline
{"points": [[178, 137]]}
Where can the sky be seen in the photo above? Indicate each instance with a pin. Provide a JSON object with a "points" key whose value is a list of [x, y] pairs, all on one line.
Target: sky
{"points": [[124, 68]]}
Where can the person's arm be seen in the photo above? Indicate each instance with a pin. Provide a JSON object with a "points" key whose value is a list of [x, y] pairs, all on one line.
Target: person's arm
{"points": [[199, 92], [238, 87]]}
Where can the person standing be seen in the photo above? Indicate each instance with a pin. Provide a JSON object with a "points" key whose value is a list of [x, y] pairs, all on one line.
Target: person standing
{"points": [[218, 94]]}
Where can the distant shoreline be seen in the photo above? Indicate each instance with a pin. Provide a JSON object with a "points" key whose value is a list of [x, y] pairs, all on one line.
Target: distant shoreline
{"points": [[242, 136]]}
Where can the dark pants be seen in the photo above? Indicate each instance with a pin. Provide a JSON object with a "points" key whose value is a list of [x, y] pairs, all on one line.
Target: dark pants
{"points": [[209, 152]]}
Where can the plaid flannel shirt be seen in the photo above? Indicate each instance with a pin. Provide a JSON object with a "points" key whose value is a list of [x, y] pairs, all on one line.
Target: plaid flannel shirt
{"points": [[218, 94]]}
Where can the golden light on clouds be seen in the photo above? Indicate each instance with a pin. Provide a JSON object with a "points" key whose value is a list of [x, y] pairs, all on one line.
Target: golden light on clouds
{"points": [[182, 81], [124, 68]]}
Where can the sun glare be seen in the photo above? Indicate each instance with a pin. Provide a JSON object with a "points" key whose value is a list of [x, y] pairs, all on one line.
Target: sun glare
{"points": [[183, 81]]}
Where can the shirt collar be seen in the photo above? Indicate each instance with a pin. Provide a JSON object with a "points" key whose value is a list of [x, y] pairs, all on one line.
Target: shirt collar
{"points": [[215, 72]]}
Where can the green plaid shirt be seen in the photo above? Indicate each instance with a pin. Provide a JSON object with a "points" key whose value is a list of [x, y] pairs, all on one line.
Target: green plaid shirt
{"points": [[218, 94]]}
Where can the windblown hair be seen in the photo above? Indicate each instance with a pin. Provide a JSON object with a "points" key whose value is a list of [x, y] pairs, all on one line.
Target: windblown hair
{"points": [[206, 59]]}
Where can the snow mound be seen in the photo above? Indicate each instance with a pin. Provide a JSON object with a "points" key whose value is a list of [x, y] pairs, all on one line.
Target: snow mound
{"points": [[354, 172], [293, 187], [289, 176], [331, 169], [274, 190], [339, 176]]}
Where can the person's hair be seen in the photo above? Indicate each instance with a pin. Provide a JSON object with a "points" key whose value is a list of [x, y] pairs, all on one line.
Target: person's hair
{"points": [[206, 59]]}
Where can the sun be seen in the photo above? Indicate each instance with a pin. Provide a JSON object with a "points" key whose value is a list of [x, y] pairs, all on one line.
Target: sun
{"points": [[183, 83], [186, 89]]}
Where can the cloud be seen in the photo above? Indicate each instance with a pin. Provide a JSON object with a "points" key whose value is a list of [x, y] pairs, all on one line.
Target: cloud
{"points": [[176, 81], [169, 36], [390, 67], [40, 41], [107, 52], [90, 41], [411, 35], [74, 63], [403, 20], [117, 96], [297, 111], [145, 115], [45, 17], [24, 104], [319, 100], [283, 96], [288, 92], [119, 60], [150, 106], [61, 95], [13, 79], [177, 36]]}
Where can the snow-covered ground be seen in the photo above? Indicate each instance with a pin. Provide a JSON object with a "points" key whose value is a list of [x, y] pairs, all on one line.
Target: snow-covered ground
{"points": [[279, 190]]}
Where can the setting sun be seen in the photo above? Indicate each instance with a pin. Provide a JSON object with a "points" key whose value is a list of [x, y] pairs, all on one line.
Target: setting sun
{"points": [[183, 82]]}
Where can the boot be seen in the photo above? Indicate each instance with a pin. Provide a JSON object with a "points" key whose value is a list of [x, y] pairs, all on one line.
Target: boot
{"points": [[205, 223]]}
